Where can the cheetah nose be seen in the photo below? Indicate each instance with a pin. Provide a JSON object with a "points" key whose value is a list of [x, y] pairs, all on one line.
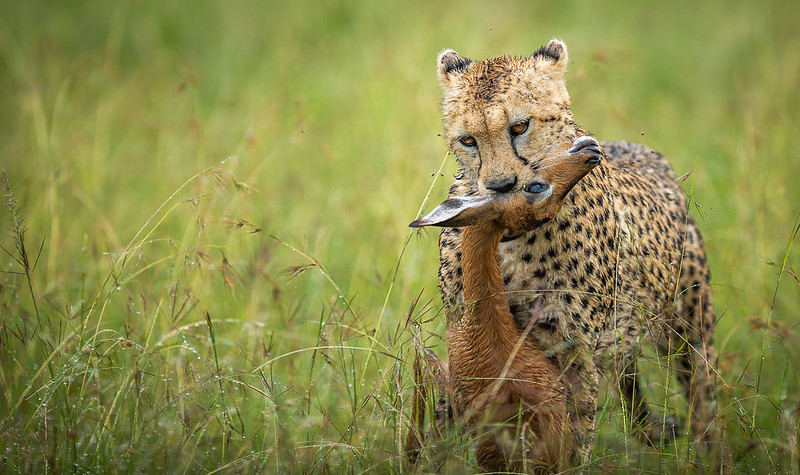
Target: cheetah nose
{"points": [[502, 185]]}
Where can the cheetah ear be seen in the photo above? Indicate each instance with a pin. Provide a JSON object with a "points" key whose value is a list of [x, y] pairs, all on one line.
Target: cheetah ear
{"points": [[552, 56], [458, 211], [449, 64]]}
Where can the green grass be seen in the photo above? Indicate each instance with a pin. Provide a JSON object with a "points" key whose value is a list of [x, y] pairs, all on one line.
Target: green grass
{"points": [[215, 197]]}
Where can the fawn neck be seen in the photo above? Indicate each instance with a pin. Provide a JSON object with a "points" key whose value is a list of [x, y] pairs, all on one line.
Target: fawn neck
{"points": [[484, 290]]}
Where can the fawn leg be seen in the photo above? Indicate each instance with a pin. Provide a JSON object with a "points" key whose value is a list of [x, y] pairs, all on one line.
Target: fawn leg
{"points": [[416, 433]]}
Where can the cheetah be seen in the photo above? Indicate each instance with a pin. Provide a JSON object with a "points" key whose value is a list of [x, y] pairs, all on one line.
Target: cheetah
{"points": [[622, 263]]}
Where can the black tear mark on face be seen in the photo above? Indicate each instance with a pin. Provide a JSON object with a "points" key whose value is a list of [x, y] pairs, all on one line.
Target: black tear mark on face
{"points": [[522, 159]]}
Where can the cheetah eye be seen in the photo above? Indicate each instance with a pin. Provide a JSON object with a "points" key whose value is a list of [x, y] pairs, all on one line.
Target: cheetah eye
{"points": [[519, 128], [467, 141], [537, 187]]}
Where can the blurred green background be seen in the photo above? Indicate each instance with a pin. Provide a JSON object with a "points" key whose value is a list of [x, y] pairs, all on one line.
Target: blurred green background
{"points": [[208, 186]]}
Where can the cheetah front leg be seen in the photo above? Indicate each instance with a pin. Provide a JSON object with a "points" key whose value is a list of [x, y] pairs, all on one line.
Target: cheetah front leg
{"points": [[650, 428], [582, 379]]}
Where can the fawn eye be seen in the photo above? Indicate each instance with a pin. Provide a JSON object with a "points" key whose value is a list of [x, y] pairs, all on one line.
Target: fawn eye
{"points": [[519, 128], [537, 187], [468, 141]]}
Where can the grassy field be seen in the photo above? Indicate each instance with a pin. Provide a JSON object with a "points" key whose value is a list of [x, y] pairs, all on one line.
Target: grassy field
{"points": [[216, 272]]}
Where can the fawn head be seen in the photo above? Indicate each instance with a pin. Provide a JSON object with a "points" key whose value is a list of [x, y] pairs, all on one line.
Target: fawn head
{"points": [[537, 202]]}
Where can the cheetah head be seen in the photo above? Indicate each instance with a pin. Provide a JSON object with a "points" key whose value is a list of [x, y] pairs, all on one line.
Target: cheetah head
{"points": [[536, 203], [502, 113]]}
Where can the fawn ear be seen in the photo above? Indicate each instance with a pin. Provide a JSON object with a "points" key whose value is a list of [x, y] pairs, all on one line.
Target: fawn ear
{"points": [[457, 211], [449, 64], [552, 56]]}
